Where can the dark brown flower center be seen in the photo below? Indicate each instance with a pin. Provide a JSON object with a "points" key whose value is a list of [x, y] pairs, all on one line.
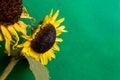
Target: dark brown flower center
{"points": [[10, 11], [44, 39]]}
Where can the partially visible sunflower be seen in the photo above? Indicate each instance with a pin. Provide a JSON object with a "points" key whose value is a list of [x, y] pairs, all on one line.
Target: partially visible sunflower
{"points": [[42, 43], [10, 12]]}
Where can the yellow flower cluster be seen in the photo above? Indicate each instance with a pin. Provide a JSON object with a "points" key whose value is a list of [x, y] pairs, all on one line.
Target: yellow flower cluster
{"points": [[41, 44]]}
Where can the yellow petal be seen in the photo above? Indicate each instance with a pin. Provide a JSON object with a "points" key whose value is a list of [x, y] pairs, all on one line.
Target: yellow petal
{"points": [[24, 51], [42, 59], [33, 54], [56, 47], [22, 24], [50, 15], [29, 38], [7, 46], [51, 53], [19, 28], [46, 19], [45, 59], [57, 23], [25, 44], [14, 33], [49, 57], [61, 28], [7, 39], [1, 38], [6, 33], [58, 32], [25, 14], [55, 15], [59, 39]]}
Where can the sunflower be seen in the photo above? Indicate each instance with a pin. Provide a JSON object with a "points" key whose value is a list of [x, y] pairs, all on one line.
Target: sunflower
{"points": [[10, 12], [43, 42]]}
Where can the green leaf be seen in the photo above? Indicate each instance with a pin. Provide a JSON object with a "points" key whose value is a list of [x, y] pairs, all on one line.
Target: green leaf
{"points": [[40, 72]]}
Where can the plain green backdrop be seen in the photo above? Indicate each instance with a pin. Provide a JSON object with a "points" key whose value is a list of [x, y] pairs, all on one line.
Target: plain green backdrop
{"points": [[91, 48]]}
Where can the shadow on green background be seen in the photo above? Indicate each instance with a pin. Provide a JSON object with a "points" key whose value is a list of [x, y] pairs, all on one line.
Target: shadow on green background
{"points": [[91, 48]]}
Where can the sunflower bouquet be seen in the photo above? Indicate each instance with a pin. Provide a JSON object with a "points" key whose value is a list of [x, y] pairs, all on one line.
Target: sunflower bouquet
{"points": [[38, 47]]}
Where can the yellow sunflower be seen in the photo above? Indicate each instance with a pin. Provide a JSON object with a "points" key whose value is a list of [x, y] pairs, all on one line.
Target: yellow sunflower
{"points": [[10, 12], [42, 43]]}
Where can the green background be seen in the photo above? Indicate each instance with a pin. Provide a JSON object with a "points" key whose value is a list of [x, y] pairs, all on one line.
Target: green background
{"points": [[91, 48]]}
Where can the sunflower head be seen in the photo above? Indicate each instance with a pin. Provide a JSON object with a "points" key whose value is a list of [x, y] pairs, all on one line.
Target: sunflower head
{"points": [[44, 39], [10, 11], [43, 42]]}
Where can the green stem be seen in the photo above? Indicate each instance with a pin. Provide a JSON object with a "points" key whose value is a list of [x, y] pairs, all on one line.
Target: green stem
{"points": [[9, 68]]}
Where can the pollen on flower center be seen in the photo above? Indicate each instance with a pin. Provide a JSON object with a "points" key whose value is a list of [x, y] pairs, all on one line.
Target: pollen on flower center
{"points": [[10, 11], [44, 39]]}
